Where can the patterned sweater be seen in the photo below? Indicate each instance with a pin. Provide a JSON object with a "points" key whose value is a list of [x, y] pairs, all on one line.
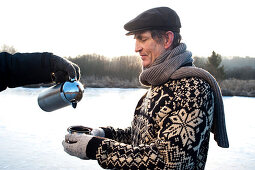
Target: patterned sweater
{"points": [[170, 129]]}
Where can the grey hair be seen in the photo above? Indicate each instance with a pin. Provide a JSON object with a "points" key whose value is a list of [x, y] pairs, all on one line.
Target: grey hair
{"points": [[159, 35]]}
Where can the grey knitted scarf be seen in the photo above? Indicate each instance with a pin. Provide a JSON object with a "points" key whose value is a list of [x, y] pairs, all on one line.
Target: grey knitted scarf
{"points": [[168, 66]]}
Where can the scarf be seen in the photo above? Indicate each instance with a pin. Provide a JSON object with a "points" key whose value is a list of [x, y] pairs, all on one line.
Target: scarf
{"points": [[169, 66]]}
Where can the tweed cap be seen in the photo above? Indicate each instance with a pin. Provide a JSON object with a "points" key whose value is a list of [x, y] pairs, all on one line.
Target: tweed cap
{"points": [[161, 18]]}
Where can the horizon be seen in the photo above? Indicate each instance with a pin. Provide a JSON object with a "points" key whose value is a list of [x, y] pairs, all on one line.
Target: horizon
{"points": [[82, 27], [135, 55]]}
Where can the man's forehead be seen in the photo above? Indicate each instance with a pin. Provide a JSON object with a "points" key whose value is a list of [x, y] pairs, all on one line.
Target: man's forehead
{"points": [[143, 34]]}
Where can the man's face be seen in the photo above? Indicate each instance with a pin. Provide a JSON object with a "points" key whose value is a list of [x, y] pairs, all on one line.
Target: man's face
{"points": [[148, 48]]}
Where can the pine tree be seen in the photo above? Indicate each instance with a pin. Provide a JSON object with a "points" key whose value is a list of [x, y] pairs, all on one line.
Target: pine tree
{"points": [[214, 66]]}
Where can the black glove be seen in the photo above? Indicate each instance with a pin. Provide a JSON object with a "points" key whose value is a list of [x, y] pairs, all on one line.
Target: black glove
{"points": [[63, 69]]}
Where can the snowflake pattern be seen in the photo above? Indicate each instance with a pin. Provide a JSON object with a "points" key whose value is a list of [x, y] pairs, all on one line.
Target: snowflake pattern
{"points": [[183, 125]]}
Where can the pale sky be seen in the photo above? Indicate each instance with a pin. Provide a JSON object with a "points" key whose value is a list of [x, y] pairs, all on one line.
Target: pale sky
{"points": [[76, 27]]}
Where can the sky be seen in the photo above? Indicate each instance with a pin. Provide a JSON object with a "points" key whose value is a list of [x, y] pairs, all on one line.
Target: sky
{"points": [[71, 28]]}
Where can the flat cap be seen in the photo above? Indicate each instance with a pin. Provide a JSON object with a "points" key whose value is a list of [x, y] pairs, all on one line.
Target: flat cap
{"points": [[161, 18]]}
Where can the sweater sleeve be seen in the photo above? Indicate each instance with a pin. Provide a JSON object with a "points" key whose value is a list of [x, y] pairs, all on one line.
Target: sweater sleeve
{"points": [[24, 68], [120, 135], [184, 124]]}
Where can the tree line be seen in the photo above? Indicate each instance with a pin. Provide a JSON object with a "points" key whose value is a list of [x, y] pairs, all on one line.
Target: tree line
{"points": [[227, 68], [128, 68], [122, 68]]}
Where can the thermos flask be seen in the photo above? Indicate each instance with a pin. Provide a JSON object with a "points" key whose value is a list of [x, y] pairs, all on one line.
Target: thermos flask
{"points": [[61, 95]]}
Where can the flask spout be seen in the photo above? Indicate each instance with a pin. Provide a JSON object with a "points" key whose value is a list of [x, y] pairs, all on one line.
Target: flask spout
{"points": [[74, 104]]}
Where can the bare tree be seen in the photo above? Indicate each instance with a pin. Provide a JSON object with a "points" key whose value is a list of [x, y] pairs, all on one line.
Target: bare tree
{"points": [[9, 49]]}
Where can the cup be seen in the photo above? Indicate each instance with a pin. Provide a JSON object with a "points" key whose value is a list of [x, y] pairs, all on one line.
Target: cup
{"points": [[78, 129]]}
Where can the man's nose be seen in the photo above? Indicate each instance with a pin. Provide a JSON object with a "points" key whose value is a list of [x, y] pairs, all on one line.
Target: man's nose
{"points": [[138, 47]]}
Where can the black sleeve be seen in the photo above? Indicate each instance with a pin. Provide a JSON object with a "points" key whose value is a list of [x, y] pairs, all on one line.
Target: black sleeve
{"points": [[23, 69], [120, 135]]}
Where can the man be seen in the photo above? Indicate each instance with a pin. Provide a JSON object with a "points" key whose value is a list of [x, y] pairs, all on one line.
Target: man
{"points": [[22, 69], [173, 120]]}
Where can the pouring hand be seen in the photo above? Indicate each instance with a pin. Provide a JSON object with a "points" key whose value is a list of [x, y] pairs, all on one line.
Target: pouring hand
{"points": [[63, 69]]}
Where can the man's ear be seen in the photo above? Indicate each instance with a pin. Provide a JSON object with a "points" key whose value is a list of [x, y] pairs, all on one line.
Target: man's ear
{"points": [[169, 39]]}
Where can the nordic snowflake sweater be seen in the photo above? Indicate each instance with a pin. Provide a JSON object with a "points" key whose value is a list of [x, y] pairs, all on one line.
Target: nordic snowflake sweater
{"points": [[170, 130]]}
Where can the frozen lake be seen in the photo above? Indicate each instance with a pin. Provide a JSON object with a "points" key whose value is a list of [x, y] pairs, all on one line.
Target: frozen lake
{"points": [[31, 138]]}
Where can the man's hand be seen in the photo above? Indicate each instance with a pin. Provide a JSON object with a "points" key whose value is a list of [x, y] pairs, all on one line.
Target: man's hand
{"points": [[63, 69], [76, 145], [98, 132]]}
